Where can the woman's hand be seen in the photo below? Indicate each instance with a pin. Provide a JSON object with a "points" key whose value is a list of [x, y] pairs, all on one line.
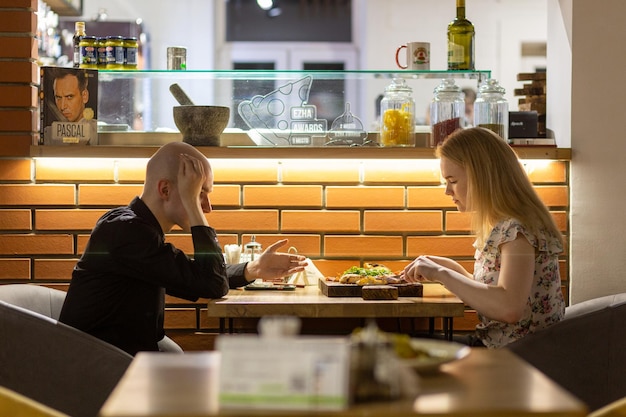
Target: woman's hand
{"points": [[423, 268]]}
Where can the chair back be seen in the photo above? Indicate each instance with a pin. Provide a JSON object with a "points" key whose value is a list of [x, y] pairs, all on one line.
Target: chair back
{"points": [[43, 300], [586, 352], [55, 364], [49, 301]]}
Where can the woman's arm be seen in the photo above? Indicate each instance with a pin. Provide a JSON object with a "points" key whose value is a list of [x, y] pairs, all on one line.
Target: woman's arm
{"points": [[504, 301]]}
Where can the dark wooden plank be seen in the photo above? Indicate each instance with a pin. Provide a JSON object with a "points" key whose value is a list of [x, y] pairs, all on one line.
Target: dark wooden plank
{"points": [[335, 289]]}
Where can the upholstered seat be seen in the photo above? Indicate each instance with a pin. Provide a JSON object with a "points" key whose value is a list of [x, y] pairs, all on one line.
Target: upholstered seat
{"points": [[37, 298], [55, 364], [48, 301], [586, 352]]}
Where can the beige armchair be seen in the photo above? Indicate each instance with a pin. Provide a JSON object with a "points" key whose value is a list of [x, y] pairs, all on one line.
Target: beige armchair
{"points": [[48, 301]]}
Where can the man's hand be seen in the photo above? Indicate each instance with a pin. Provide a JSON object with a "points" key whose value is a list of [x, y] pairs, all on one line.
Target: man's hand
{"points": [[273, 265], [191, 177]]}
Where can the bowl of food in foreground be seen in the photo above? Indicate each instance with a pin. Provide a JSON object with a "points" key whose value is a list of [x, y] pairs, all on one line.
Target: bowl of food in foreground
{"points": [[425, 356]]}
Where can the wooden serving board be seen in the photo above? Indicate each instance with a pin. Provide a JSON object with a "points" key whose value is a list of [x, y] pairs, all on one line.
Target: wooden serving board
{"points": [[336, 289]]}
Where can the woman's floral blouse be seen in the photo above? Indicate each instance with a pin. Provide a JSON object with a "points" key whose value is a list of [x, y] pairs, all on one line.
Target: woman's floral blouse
{"points": [[545, 304]]}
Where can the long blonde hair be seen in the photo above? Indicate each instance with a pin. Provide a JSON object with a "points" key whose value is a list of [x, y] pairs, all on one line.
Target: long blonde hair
{"points": [[498, 187]]}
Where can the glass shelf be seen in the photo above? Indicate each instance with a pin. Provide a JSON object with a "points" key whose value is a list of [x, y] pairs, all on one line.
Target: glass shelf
{"points": [[109, 75], [137, 109], [275, 108]]}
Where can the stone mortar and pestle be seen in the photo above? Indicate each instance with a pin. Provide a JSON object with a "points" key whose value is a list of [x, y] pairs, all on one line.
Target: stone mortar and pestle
{"points": [[199, 125]]}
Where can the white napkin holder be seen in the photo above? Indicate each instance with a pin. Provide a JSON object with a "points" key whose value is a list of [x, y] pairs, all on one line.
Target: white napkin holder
{"points": [[284, 372]]}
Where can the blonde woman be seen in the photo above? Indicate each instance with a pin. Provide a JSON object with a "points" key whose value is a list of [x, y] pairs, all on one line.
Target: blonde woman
{"points": [[516, 286]]}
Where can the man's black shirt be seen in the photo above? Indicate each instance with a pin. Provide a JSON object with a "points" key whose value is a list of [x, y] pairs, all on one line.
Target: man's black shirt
{"points": [[118, 286]]}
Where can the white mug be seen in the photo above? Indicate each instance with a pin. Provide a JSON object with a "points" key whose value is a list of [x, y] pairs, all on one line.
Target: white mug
{"points": [[417, 56]]}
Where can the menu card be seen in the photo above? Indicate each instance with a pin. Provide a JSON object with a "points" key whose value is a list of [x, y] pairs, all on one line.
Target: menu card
{"points": [[288, 373]]}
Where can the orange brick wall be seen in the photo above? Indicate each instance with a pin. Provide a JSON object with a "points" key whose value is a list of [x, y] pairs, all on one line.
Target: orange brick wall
{"points": [[339, 213], [19, 76]]}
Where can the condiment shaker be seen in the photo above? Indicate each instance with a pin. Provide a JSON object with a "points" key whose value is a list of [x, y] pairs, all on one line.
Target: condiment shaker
{"points": [[252, 250], [491, 110], [446, 111], [397, 115]]}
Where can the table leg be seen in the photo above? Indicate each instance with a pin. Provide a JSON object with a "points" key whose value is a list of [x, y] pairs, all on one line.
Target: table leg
{"points": [[222, 325], [448, 327], [431, 326], [230, 325]]}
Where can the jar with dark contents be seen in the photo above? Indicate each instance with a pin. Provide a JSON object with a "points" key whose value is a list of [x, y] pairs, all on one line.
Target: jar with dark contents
{"points": [[79, 28], [446, 111], [130, 53], [88, 52], [115, 52], [491, 110]]}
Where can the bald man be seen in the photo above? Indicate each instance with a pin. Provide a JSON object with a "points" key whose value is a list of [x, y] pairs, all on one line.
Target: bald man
{"points": [[118, 286]]}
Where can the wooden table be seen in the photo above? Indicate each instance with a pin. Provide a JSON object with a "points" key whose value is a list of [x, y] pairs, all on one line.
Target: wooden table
{"points": [[309, 302], [487, 383]]}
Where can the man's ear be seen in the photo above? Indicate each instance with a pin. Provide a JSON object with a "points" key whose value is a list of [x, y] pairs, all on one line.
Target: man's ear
{"points": [[85, 95], [164, 188]]}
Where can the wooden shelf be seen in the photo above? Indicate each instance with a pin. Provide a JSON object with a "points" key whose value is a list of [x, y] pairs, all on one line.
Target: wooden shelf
{"points": [[328, 152]]}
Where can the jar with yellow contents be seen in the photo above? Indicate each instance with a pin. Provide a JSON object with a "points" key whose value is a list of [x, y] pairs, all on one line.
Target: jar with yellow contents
{"points": [[397, 113], [130, 53], [88, 52], [115, 52]]}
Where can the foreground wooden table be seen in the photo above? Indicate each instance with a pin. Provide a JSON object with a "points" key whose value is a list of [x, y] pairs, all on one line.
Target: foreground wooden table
{"points": [[309, 302], [487, 383]]}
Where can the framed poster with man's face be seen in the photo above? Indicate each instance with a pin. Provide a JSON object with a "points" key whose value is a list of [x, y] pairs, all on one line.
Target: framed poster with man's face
{"points": [[69, 106]]}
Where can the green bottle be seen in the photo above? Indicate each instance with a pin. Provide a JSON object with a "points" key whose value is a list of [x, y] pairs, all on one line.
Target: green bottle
{"points": [[460, 41]]}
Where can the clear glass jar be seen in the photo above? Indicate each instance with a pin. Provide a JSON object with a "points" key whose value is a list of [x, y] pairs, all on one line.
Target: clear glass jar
{"points": [[176, 58], [491, 110], [446, 111], [397, 115]]}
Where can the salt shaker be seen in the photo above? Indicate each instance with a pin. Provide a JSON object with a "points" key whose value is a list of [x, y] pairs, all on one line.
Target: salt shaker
{"points": [[491, 110], [446, 111], [252, 249]]}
